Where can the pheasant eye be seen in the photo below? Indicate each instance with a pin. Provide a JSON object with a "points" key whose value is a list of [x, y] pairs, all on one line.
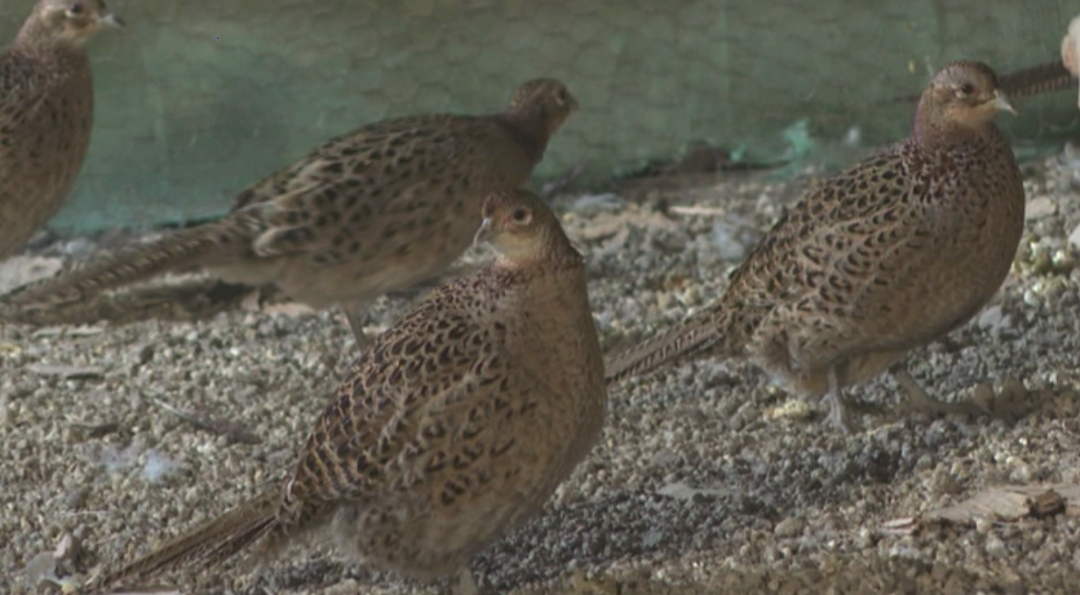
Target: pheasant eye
{"points": [[967, 89]]}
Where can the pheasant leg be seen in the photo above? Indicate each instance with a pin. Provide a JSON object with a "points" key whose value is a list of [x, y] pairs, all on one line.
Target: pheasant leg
{"points": [[356, 320]]}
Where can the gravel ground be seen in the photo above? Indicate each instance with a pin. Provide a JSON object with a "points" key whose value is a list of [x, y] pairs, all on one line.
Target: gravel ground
{"points": [[707, 479]]}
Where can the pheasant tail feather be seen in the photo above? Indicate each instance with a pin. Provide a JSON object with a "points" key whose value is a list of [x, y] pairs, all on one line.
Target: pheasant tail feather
{"points": [[208, 545], [694, 335], [175, 251], [1043, 78]]}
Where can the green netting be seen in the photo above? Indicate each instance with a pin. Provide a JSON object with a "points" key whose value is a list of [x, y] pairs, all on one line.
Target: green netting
{"points": [[202, 97]]}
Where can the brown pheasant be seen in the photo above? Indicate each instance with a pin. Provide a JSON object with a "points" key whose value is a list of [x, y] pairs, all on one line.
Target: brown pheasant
{"points": [[452, 429], [883, 258], [378, 210], [46, 113]]}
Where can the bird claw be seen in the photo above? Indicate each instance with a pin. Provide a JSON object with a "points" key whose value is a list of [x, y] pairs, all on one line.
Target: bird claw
{"points": [[919, 401], [356, 320], [842, 409], [839, 414]]}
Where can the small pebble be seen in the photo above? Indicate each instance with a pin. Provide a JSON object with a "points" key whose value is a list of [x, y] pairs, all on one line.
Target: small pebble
{"points": [[1040, 207], [789, 527]]}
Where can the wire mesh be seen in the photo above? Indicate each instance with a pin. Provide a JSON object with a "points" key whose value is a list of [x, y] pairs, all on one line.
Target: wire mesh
{"points": [[200, 98]]}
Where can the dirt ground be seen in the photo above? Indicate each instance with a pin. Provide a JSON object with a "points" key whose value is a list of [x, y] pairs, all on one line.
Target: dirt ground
{"points": [[708, 479]]}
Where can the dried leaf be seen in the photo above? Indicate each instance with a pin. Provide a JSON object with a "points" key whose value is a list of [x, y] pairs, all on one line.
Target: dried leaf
{"points": [[1010, 503]]}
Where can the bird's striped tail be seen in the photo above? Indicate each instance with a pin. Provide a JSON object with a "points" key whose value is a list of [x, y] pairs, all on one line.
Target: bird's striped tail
{"points": [[208, 545]]}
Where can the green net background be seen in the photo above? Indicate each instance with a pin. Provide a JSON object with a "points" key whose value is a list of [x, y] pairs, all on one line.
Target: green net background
{"points": [[200, 98]]}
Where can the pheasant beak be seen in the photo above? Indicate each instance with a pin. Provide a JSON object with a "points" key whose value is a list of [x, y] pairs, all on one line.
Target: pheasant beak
{"points": [[111, 20], [1002, 103], [483, 235]]}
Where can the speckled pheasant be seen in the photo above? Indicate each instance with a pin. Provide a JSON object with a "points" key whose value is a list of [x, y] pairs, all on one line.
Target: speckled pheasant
{"points": [[377, 210], [46, 112], [883, 258], [453, 428]]}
